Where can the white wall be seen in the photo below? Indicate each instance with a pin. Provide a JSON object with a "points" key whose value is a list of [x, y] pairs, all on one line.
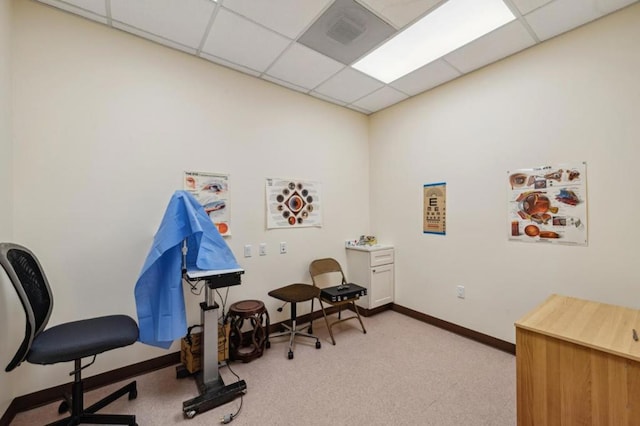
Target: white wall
{"points": [[574, 98], [105, 124], [5, 188]]}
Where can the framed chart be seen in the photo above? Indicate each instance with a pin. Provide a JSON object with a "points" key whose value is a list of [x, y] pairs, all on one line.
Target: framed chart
{"points": [[434, 217], [293, 203]]}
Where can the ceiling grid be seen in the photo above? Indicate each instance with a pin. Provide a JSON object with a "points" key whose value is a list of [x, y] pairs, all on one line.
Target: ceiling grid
{"points": [[270, 40]]}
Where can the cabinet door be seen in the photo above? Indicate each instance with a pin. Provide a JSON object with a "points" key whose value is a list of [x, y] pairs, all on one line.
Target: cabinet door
{"points": [[381, 289]]}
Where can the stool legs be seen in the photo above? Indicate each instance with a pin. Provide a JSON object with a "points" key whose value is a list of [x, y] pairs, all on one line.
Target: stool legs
{"points": [[250, 345], [292, 332]]}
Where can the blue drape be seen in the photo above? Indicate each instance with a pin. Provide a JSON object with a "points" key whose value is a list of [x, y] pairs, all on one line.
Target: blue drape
{"points": [[158, 292]]}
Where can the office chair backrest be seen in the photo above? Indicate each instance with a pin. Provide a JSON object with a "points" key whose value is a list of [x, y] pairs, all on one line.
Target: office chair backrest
{"points": [[26, 275], [320, 267]]}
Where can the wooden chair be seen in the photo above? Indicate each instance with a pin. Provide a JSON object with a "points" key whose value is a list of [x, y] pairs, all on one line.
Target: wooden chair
{"points": [[325, 273]]}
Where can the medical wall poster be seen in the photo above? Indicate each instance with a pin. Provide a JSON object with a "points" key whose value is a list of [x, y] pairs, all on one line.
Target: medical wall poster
{"points": [[434, 220], [212, 191], [293, 203], [548, 204]]}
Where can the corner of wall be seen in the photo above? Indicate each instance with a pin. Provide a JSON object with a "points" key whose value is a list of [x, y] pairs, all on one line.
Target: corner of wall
{"points": [[6, 205]]}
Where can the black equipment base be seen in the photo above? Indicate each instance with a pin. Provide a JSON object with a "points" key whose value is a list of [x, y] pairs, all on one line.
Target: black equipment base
{"points": [[212, 395]]}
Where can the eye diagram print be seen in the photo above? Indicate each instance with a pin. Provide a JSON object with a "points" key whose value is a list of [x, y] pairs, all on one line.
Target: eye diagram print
{"points": [[292, 203], [548, 204], [212, 192]]}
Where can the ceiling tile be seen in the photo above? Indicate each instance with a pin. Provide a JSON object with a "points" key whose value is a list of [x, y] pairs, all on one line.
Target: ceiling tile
{"points": [[348, 85], [304, 67], [288, 17], [96, 6], [184, 21], [240, 41], [228, 64], [383, 98], [152, 37], [427, 77], [399, 13], [498, 44], [327, 98], [92, 9], [362, 110], [526, 6], [561, 16], [285, 84], [608, 6]]}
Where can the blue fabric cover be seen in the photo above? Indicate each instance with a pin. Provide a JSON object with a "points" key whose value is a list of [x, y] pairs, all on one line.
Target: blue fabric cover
{"points": [[158, 292]]}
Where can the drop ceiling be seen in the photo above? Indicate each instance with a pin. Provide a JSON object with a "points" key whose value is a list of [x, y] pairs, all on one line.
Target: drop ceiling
{"points": [[269, 39]]}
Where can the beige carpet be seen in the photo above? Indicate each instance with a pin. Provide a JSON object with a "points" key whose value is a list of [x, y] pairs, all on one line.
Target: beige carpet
{"points": [[402, 372]]}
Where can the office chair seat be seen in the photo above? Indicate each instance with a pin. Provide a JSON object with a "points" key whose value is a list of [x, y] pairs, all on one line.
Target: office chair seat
{"points": [[80, 339]]}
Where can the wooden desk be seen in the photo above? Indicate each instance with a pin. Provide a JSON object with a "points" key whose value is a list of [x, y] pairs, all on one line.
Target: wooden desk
{"points": [[578, 364]]}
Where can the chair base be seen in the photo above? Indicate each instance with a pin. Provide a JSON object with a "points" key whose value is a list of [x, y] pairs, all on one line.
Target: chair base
{"points": [[340, 319], [292, 332], [80, 415]]}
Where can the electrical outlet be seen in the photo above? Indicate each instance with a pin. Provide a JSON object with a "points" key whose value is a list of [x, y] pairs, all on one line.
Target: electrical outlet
{"points": [[460, 291], [263, 249], [247, 250], [283, 248]]}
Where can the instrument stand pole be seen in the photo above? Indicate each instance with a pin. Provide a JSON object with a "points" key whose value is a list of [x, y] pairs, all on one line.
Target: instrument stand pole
{"points": [[213, 391]]}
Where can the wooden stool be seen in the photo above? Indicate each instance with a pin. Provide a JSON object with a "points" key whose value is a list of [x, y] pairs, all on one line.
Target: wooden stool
{"points": [[248, 346]]}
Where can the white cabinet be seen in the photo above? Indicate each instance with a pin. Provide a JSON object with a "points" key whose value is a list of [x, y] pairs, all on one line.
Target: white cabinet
{"points": [[372, 268]]}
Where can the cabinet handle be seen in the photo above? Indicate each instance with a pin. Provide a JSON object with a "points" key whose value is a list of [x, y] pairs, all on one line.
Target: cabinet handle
{"points": [[374, 271]]}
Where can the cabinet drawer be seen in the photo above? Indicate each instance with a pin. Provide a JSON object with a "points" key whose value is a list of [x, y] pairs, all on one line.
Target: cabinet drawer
{"points": [[381, 257]]}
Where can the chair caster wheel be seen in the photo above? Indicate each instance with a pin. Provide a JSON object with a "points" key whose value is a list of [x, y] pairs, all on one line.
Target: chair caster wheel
{"points": [[267, 345], [318, 345], [133, 394], [290, 355], [63, 407]]}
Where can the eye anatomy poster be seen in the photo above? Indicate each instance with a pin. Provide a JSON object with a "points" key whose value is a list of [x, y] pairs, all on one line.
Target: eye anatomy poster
{"points": [[212, 191], [548, 204], [434, 220], [293, 203]]}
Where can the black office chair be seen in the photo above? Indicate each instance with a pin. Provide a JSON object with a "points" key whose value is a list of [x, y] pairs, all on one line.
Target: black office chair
{"points": [[294, 294], [70, 341]]}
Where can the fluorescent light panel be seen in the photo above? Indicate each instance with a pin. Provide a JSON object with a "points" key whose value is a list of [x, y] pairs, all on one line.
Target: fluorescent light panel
{"points": [[450, 26]]}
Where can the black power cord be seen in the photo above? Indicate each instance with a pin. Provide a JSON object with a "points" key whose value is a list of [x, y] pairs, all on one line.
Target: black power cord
{"points": [[228, 418]]}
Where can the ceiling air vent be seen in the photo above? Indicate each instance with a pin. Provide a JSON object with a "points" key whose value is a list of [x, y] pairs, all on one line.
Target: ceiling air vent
{"points": [[346, 31]]}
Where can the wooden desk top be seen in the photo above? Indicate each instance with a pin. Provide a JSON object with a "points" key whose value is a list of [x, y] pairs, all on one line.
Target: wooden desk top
{"points": [[600, 326]]}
